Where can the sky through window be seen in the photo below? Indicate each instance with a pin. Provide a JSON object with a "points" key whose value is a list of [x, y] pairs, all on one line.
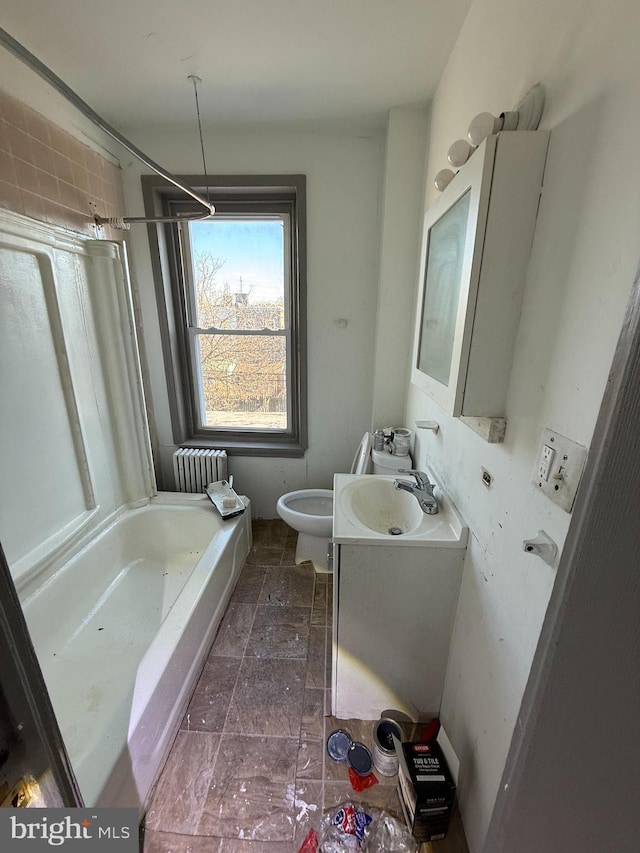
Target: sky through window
{"points": [[252, 252]]}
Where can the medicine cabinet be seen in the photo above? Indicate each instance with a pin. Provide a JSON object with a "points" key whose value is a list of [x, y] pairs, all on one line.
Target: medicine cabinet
{"points": [[476, 244]]}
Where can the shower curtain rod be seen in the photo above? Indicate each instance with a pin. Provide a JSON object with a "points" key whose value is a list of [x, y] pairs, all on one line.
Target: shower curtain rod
{"points": [[17, 49]]}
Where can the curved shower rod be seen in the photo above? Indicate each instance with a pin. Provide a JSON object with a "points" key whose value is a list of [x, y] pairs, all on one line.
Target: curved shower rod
{"points": [[7, 41]]}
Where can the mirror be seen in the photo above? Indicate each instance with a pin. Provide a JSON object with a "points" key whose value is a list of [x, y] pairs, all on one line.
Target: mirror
{"points": [[442, 291]]}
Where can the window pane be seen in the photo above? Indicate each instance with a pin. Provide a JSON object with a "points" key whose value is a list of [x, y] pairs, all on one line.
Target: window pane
{"points": [[238, 273], [243, 381]]}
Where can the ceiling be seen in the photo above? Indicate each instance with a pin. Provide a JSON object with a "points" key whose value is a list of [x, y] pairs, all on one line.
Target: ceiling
{"points": [[259, 60]]}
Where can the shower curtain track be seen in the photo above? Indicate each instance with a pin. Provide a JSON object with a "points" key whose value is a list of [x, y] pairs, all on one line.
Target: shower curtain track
{"points": [[9, 43]]}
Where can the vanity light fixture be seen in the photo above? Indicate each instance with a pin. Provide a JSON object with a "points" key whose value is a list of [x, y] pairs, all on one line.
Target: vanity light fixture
{"points": [[525, 116], [459, 152], [443, 179], [484, 124]]}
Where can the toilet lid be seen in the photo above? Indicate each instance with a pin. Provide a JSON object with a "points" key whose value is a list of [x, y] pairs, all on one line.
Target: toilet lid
{"points": [[363, 454]]}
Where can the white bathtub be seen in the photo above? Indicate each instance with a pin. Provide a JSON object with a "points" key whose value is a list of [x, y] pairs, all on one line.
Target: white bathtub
{"points": [[122, 630]]}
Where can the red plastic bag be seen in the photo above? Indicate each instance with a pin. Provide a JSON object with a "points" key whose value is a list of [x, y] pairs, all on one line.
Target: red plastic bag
{"points": [[430, 731], [310, 843], [361, 783]]}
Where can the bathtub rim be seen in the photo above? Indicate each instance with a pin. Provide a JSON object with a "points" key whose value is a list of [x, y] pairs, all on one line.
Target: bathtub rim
{"points": [[42, 572]]}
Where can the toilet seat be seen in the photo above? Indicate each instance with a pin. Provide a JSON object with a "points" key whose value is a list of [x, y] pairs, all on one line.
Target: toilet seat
{"points": [[362, 460]]}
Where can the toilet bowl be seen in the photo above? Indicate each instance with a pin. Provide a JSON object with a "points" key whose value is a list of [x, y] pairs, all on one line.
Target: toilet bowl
{"points": [[310, 511]]}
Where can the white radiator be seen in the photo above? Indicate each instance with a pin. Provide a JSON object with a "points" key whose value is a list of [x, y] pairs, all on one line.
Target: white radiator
{"points": [[195, 469]]}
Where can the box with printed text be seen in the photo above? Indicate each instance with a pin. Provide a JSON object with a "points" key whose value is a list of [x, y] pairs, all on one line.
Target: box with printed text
{"points": [[426, 789]]}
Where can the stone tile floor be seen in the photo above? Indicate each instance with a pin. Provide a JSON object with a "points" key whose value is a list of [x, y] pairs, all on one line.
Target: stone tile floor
{"points": [[248, 770]]}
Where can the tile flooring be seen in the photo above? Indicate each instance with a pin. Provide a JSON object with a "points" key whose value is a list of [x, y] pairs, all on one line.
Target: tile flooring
{"points": [[248, 769]]}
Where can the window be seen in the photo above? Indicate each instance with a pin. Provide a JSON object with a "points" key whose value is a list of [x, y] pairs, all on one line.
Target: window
{"points": [[232, 303]]}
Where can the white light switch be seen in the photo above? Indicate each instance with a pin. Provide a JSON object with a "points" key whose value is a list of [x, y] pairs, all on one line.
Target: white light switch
{"points": [[558, 469]]}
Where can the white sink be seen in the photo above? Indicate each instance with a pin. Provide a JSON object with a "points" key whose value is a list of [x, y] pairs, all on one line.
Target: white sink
{"points": [[367, 509], [376, 504]]}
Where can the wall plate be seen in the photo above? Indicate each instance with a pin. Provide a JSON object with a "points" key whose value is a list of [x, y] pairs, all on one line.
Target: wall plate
{"points": [[557, 473]]}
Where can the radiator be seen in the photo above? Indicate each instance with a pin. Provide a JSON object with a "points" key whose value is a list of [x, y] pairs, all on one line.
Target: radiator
{"points": [[195, 469]]}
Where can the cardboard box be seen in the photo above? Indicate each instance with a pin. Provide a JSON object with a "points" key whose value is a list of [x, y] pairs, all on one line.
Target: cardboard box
{"points": [[426, 789]]}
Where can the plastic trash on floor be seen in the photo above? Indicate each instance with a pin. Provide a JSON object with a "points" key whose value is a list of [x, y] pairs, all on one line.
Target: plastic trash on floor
{"points": [[355, 827], [342, 748]]}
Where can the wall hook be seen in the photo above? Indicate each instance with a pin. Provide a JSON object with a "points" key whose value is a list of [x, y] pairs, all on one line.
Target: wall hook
{"points": [[542, 546], [434, 426]]}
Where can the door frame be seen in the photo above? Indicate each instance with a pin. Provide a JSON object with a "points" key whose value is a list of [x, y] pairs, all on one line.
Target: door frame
{"points": [[35, 747]]}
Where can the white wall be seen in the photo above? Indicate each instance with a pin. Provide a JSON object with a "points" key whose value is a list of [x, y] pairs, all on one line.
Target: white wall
{"points": [[344, 174], [582, 265], [403, 200]]}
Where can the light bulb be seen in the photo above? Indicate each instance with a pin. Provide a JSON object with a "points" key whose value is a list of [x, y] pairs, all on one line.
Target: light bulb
{"points": [[443, 179], [483, 125], [459, 153]]}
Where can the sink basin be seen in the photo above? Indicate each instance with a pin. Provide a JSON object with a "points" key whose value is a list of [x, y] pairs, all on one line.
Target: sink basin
{"points": [[383, 509], [367, 509]]}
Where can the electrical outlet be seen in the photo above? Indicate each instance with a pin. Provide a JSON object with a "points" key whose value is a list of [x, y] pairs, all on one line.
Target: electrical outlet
{"points": [[546, 461], [558, 468]]}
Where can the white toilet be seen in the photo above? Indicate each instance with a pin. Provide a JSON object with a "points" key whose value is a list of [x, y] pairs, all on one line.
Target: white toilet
{"points": [[310, 511]]}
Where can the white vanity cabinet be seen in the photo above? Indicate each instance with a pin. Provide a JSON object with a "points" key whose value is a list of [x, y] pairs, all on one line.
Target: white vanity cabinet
{"points": [[393, 616]]}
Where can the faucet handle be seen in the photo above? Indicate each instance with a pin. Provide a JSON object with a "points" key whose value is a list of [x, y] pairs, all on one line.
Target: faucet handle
{"points": [[421, 478]]}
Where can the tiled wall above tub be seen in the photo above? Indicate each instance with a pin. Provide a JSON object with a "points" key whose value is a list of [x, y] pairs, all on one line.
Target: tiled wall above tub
{"points": [[49, 175]]}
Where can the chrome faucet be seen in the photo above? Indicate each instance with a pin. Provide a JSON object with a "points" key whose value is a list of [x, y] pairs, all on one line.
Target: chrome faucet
{"points": [[422, 490]]}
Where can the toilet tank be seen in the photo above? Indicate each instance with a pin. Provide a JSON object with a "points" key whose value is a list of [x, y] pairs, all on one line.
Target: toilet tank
{"points": [[386, 463]]}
